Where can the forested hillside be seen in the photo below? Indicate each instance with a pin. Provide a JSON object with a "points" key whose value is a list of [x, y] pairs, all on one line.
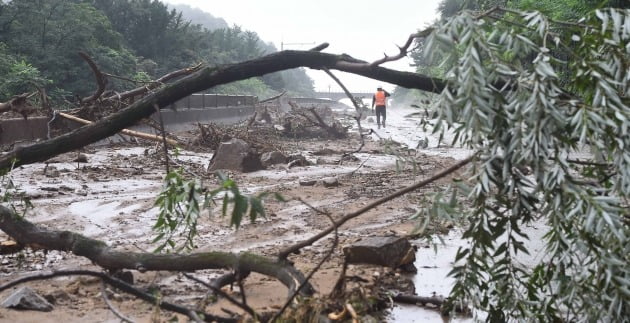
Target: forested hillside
{"points": [[136, 40]]}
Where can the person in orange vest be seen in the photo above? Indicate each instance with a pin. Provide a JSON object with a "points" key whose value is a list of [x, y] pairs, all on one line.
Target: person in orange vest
{"points": [[380, 101]]}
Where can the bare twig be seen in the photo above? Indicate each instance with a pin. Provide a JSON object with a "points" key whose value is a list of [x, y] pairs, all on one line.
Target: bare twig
{"points": [[273, 97], [404, 49], [121, 316], [283, 254], [356, 107], [319, 47], [317, 267], [218, 291], [162, 131], [121, 285], [154, 84]]}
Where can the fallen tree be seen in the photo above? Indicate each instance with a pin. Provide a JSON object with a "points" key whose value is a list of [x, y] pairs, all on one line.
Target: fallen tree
{"points": [[514, 112]]}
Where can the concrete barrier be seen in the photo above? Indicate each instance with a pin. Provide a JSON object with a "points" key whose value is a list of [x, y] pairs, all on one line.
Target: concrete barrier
{"points": [[17, 130]]}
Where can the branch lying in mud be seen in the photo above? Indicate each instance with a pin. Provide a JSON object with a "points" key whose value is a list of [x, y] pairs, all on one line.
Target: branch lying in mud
{"points": [[283, 254], [123, 286], [203, 79], [26, 233]]}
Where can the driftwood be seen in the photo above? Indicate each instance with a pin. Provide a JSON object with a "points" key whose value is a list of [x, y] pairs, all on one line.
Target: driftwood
{"points": [[100, 254], [19, 104], [127, 132]]}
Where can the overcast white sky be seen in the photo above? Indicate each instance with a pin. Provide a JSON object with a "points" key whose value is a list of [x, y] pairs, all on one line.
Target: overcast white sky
{"points": [[364, 29]]}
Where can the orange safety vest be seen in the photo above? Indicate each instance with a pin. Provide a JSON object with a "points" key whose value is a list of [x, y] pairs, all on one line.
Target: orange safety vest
{"points": [[379, 98]]}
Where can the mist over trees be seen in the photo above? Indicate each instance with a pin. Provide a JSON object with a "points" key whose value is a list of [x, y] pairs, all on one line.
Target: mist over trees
{"points": [[134, 39]]}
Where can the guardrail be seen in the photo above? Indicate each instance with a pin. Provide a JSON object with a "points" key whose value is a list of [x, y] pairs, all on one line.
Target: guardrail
{"points": [[202, 100]]}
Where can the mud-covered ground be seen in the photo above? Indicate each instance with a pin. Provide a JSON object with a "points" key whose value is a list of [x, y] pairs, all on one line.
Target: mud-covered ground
{"points": [[111, 197]]}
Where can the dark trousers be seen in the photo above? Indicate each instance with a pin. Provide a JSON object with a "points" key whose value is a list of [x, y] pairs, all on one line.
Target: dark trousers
{"points": [[380, 112]]}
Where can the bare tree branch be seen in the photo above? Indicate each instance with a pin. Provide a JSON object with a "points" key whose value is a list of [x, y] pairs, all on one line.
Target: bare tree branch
{"points": [[404, 49], [101, 79], [317, 267], [283, 254], [26, 233], [123, 286], [111, 307]]}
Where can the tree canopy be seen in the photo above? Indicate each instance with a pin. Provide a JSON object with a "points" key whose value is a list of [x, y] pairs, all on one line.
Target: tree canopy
{"points": [[128, 38]]}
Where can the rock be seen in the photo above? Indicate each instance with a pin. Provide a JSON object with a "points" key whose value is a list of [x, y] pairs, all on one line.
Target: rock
{"points": [[325, 151], [330, 182], [370, 120], [393, 252], [236, 154], [307, 182], [57, 297], [423, 143], [27, 299], [51, 171], [49, 189], [350, 157], [272, 158], [297, 160], [82, 158]]}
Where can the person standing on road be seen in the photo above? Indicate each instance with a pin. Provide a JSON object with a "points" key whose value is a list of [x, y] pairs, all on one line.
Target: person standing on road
{"points": [[380, 101]]}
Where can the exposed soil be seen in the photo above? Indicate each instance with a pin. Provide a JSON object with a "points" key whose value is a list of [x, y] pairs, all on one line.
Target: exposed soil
{"points": [[111, 197]]}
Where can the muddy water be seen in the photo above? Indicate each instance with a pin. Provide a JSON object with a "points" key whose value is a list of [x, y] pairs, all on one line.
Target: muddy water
{"points": [[433, 268]]}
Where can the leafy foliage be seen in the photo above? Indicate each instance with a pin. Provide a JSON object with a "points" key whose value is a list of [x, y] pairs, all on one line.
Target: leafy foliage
{"points": [[180, 204], [125, 38], [506, 102]]}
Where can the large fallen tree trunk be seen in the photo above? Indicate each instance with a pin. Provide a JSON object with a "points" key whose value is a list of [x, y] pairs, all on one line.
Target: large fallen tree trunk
{"points": [[205, 78], [26, 233]]}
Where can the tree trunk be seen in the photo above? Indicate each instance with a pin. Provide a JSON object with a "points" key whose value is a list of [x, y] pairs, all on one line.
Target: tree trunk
{"points": [[26, 233]]}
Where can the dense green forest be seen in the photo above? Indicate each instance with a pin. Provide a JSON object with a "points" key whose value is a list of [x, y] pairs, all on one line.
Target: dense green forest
{"points": [[560, 10], [137, 40]]}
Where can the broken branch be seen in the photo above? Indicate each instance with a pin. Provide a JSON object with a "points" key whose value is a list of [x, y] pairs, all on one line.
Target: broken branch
{"points": [[291, 249], [24, 232], [123, 286], [127, 132], [101, 79]]}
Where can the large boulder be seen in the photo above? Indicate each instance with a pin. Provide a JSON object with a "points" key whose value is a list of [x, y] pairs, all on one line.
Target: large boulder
{"points": [[393, 252], [236, 154]]}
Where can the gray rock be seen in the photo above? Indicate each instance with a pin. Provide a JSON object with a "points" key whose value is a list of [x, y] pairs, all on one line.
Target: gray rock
{"points": [[297, 160], [27, 299], [393, 252], [272, 158], [370, 120], [423, 143], [236, 154], [330, 182], [307, 182]]}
